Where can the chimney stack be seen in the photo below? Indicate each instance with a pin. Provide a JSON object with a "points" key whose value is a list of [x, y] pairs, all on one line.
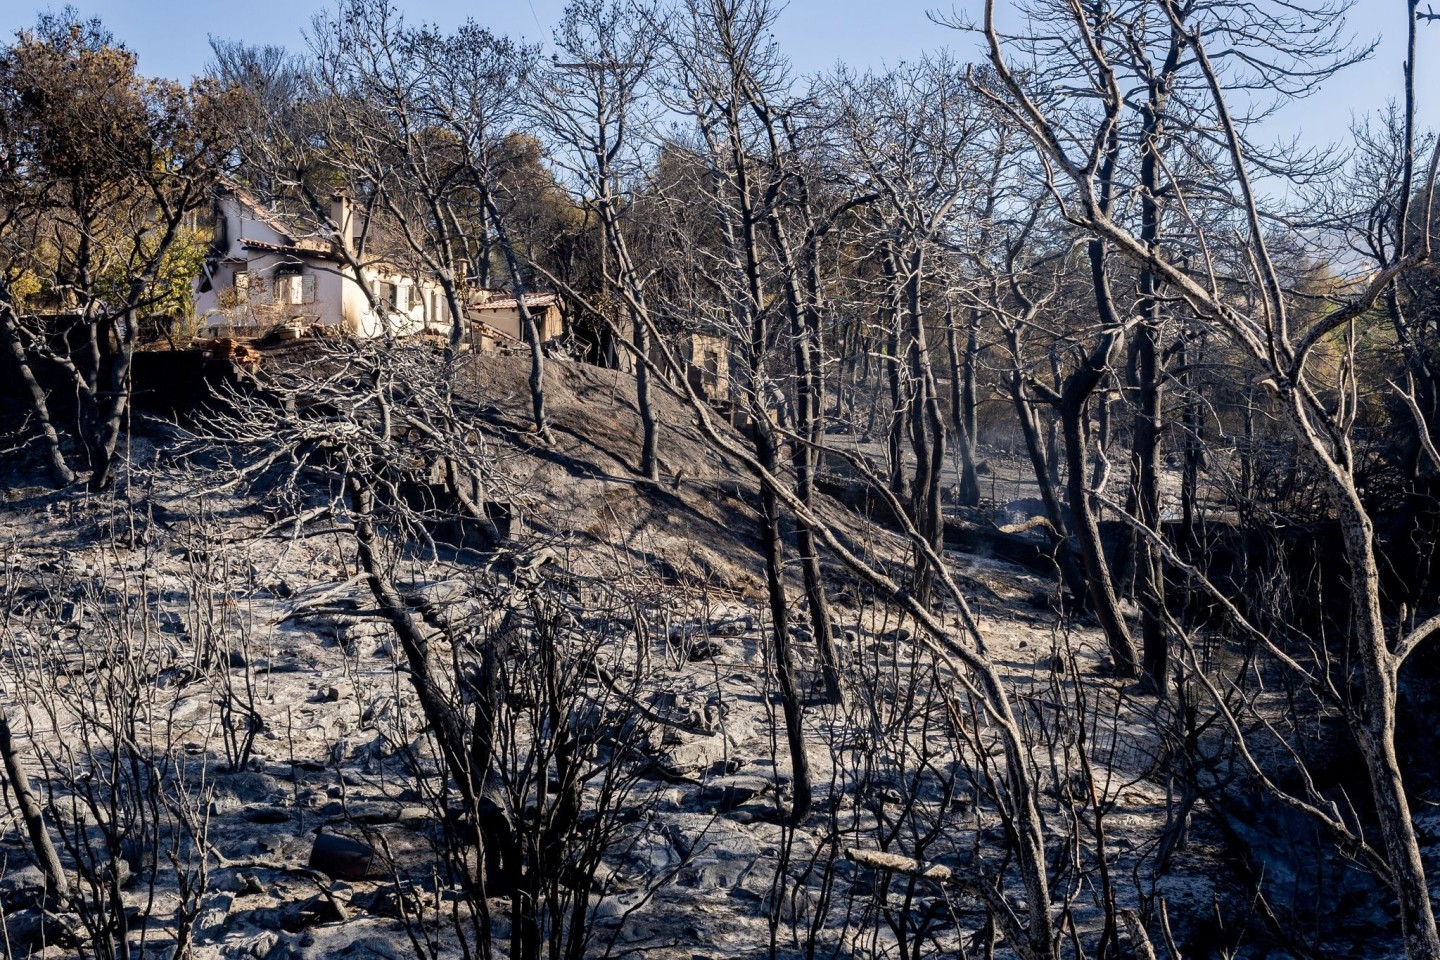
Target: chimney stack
{"points": [[344, 218]]}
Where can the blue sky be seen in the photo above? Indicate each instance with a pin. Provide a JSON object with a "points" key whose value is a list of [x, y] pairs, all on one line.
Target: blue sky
{"points": [[170, 39]]}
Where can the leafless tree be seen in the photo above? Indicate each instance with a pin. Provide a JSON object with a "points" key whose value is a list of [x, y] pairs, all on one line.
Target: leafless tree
{"points": [[912, 135], [1274, 43], [595, 103], [723, 65]]}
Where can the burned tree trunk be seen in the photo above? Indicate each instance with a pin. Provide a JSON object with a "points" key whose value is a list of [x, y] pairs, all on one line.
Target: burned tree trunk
{"points": [[527, 326], [448, 727], [790, 701], [963, 402], [114, 391], [60, 471], [56, 884], [927, 429]]}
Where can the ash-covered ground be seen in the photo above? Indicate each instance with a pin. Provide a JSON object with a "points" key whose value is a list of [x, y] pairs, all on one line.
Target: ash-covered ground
{"points": [[222, 730]]}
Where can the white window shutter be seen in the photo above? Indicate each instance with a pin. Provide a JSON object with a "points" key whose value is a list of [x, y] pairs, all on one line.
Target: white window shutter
{"points": [[402, 298], [242, 285], [307, 288]]}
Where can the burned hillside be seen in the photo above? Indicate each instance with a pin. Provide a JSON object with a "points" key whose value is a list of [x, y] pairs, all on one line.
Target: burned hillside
{"points": [[642, 495]]}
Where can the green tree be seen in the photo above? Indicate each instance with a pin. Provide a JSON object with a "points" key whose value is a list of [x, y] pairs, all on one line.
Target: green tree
{"points": [[103, 168]]}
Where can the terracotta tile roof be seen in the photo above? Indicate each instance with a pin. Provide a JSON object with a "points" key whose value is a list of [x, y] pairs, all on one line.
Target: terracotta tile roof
{"points": [[532, 300], [298, 240], [306, 249]]}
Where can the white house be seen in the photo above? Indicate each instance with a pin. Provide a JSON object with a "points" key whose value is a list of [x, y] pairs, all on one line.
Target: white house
{"points": [[265, 271]]}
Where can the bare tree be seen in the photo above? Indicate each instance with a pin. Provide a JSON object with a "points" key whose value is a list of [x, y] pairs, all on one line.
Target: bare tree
{"points": [[1280, 348], [725, 72], [474, 91], [594, 103], [912, 134]]}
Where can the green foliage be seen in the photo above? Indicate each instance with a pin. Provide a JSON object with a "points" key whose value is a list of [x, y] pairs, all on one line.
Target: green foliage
{"points": [[170, 292]]}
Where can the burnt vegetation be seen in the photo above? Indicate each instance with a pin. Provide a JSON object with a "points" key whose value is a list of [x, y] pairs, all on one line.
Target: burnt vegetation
{"points": [[979, 509]]}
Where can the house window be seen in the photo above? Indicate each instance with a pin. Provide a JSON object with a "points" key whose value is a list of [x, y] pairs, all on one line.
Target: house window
{"points": [[253, 288], [294, 288], [387, 294]]}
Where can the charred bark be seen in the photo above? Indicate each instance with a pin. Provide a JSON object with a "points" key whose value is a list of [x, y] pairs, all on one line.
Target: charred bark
{"points": [[60, 471]]}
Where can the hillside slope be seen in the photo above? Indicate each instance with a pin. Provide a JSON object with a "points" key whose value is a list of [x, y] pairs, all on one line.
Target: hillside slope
{"points": [[190, 623]]}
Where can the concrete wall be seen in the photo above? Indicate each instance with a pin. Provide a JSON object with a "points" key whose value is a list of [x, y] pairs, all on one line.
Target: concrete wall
{"points": [[361, 321], [508, 320], [325, 308]]}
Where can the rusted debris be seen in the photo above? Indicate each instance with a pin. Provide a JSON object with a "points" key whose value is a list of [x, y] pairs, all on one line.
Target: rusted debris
{"points": [[228, 348]]}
